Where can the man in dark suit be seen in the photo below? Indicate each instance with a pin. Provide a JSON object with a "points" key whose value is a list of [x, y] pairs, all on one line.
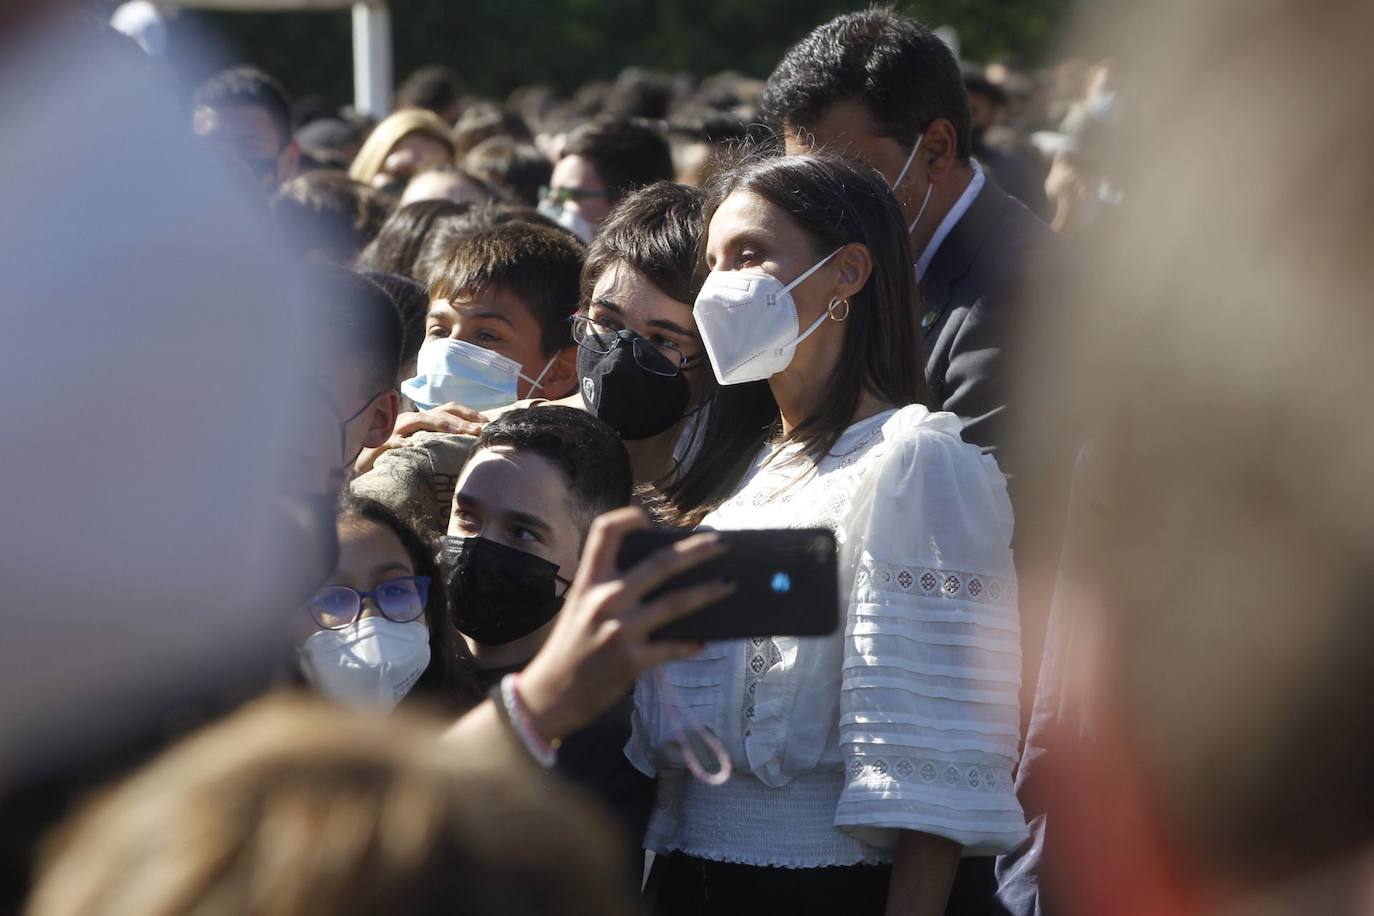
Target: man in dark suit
{"points": [[881, 87]]}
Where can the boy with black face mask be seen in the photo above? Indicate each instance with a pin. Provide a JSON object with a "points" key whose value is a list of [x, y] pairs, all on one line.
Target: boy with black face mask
{"points": [[527, 496]]}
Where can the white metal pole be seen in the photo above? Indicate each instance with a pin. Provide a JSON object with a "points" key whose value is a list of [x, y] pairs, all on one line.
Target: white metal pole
{"points": [[372, 59]]}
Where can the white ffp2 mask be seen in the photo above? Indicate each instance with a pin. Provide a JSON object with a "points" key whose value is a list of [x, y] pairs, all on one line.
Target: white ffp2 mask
{"points": [[464, 373], [748, 323], [371, 664]]}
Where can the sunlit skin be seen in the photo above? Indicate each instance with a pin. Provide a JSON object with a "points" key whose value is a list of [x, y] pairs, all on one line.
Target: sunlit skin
{"points": [[369, 554], [847, 127], [248, 134], [499, 320], [412, 154], [578, 174], [518, 499]]}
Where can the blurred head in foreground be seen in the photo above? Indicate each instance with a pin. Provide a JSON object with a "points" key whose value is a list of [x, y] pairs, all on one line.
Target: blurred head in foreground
{"points": [[1224, 337], [292, 807]]}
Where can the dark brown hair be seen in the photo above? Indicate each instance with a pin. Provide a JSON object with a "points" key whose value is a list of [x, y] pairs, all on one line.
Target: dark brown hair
{"points": [[539, 264], [448, 683], [627, 153], [836, 202]]}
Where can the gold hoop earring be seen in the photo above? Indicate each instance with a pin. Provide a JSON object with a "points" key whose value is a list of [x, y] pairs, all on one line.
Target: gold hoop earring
{"points": [[830, 309]]}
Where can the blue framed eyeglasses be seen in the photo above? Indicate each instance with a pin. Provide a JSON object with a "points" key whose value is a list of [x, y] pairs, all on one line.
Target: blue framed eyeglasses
{"points": [[400, 600]]}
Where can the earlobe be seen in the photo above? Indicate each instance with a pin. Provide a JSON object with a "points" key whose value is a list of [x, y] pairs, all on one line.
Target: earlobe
{"points": [[382, 420]]}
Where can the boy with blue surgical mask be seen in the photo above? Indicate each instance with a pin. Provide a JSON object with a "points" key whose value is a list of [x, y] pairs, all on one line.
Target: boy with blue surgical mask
{"points": [[497, 331]]}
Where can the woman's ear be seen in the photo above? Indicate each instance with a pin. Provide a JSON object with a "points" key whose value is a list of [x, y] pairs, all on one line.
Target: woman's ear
{"points": [[853, 266]]}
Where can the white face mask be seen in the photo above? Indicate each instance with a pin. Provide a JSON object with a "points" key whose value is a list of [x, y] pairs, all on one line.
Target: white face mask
{"points": [[455, 370], [369, 665], [902, 174], [748, 323], [570, 219]]}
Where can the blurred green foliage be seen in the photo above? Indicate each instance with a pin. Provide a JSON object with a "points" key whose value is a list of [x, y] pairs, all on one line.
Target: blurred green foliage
{"points": [[500, 44]]}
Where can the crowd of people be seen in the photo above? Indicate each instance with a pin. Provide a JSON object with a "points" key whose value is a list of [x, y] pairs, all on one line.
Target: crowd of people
{"points": [[347, 627]]}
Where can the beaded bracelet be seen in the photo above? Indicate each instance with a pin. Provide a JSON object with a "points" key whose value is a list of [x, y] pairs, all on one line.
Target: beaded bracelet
{"points": [[544, 753]]}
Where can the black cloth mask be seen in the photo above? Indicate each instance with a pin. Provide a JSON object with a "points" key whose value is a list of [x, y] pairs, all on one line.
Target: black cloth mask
{"points": [[636, 402], [497, 594]]}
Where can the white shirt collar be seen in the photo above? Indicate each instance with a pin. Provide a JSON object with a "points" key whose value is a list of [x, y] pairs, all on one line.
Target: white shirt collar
{"points": [[955, 214]]}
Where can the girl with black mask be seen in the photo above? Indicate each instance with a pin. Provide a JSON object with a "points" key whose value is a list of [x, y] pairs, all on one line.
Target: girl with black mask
{"points": [[640, 362]]}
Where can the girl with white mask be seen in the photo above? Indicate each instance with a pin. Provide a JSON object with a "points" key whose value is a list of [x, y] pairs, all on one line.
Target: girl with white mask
{"points": [[378, 631], [873, 757]]}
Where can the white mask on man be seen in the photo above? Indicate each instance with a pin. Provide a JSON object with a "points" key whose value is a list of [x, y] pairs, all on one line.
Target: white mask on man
{"points": [[902, 174]]}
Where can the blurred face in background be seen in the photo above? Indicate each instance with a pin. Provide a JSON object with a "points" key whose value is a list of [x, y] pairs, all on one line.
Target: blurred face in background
{"points": [[414, 153], [575, 183], [248, 134]]}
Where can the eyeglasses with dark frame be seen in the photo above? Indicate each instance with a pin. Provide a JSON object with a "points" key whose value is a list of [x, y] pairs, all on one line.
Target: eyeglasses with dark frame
{"points": [[400, 600], [660, 359]]}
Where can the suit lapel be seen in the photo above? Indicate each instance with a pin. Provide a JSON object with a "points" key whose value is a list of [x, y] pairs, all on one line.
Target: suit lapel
{"points": [[952, 262]]}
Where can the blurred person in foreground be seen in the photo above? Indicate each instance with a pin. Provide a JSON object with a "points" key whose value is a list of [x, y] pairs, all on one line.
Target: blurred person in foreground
{"points": [[295, 808], [121, 571], [246, 113], [1202, 742]]}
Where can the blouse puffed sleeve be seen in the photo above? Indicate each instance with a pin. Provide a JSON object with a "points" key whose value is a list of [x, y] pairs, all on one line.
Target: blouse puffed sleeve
{"points": [[929, 715]]}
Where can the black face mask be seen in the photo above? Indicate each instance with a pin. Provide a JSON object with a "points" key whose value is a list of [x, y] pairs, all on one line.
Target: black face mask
{"points": [[496, 593], [636, 402]]}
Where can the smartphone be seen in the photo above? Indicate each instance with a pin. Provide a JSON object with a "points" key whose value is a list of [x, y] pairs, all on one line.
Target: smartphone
{"points": [[786, 583]]}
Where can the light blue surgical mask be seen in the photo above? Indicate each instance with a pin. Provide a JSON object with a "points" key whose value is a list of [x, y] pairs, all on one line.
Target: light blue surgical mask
{"points": [[455, 370]]}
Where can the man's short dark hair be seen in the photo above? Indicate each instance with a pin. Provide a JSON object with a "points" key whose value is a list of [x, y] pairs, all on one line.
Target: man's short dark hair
{"points": [[330, 213], [516, 166], [627, 154], [244, 85], [434, 86], [364, 325], [902, 72], [412, 306], [656, 232], [540, 264], [588, 452]]}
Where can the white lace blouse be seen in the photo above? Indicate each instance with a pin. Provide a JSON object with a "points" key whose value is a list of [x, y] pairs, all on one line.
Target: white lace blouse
{"points": [[904, 719]]}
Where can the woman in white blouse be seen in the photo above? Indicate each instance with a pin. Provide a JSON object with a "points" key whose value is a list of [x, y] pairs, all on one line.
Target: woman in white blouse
{"points": [[864, 763]]}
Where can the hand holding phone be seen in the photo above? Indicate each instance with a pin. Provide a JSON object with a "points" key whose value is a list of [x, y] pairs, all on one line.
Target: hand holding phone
{"points": [[786, 583]]}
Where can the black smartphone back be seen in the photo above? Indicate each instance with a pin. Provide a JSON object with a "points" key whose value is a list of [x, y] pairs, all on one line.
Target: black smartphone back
{"points": [[786, 583]]}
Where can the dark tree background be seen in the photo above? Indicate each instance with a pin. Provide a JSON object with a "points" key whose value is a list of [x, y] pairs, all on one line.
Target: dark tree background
{"points": [[500, 44]]}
